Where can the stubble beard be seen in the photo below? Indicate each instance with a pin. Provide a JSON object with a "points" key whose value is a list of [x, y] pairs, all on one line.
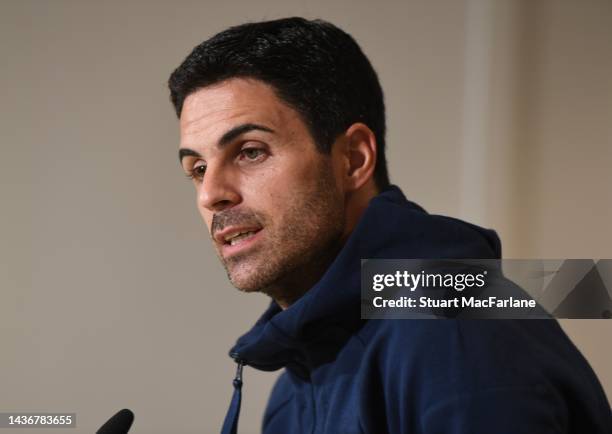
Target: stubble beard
{"points": [[298, 249]]}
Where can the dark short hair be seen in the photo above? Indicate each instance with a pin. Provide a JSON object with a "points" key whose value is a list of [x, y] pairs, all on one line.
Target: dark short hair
{"points": [[314, 67]]}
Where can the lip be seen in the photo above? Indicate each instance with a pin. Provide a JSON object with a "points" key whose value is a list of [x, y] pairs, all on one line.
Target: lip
{"points": [[221, 235], [229, 250]]}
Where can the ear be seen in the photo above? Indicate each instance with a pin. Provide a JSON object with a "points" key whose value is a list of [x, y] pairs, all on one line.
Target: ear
{"points": [[359, 156]]}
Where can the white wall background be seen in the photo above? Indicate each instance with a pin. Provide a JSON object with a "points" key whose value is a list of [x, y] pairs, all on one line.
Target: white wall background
{"points": [[499, 112]]}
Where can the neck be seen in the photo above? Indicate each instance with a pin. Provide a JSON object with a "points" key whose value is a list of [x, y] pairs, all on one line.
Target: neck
{"points": [[301, 281], [288, 292], [356, 203]]}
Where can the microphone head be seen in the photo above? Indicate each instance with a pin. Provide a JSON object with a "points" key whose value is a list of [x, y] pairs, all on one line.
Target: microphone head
{"points": [[120, 423]]}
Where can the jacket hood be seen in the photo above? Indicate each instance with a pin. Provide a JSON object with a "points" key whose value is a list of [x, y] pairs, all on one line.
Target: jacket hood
{"points": [[391, 227]]}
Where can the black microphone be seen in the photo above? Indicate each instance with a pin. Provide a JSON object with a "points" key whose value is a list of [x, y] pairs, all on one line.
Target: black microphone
{"points": [[120, 423]]}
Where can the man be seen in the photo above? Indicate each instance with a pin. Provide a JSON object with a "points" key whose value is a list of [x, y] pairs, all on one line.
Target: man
{"points": [[283, 133]]}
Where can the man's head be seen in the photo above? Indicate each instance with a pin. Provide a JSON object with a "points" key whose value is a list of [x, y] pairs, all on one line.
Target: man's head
{"points": [[282, 130]]}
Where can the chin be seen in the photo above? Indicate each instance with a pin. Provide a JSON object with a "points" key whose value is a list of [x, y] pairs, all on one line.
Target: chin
{"points": [[245, 287], [246, 279]]}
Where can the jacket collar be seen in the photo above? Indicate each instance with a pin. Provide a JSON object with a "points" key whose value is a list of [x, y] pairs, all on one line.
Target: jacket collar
{"points": [[310, 330]]}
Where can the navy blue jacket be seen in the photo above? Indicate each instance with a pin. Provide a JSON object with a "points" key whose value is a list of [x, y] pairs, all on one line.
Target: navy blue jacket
{"points": [[347, 375]]}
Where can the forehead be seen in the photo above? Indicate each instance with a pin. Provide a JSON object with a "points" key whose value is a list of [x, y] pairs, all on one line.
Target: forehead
{"points": [[210, 111]]}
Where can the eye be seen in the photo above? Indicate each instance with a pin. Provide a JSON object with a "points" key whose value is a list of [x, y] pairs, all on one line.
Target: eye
{"points": [[197, 173], [252, 154]]}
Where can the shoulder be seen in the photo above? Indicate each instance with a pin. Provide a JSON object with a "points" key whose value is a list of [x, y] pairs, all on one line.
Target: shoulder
{"points": [[524, 371], [475, 352]]}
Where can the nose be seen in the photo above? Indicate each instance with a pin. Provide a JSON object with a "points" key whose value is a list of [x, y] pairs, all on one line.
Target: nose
{"points": [[218, 190]]}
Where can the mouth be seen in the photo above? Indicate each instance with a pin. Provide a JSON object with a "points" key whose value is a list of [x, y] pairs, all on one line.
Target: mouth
{"points": [[240, 237], [233, 240]]}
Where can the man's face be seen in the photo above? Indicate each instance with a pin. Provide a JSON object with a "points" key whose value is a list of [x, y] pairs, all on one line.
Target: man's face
{"points": [[272, 203]]}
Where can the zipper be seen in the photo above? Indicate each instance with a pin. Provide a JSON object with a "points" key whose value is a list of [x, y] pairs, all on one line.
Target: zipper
{"points": [[230, 425]]}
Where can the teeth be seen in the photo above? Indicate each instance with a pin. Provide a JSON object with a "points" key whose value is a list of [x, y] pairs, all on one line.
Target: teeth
{"points": [[237, 238], [229, 237]]}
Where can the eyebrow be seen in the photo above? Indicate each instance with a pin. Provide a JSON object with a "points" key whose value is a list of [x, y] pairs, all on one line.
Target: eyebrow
{"points": [[226, 138]]}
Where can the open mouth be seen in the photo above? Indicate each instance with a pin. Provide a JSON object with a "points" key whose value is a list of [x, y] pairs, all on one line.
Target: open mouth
{"points": [[240, 237], [237, 239]]}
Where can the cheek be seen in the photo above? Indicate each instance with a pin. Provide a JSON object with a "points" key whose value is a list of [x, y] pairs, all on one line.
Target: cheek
{"points": [[266, 187], [297, 174]]}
